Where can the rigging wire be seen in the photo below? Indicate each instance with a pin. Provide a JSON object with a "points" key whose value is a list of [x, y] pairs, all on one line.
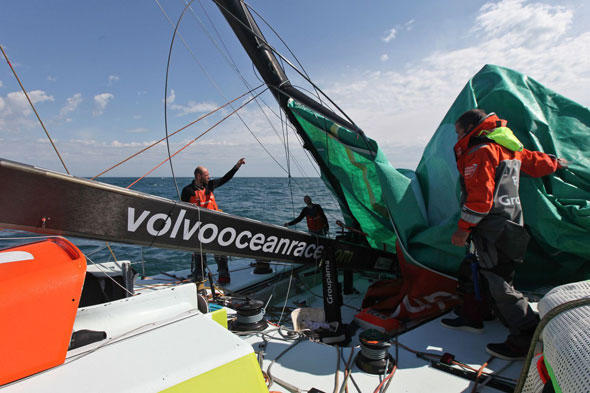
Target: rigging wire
{"points": [[166, 97], [317, 94], [286, 60], [175, 132], [230, 61], [213, 83], [243, 79], [228, 58], [233, 65], [195, 139], [286, 137], [34, 110]]}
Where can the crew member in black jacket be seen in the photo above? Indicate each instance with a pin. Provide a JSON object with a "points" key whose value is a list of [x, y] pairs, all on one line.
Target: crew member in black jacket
{"points": [[317, 222]]}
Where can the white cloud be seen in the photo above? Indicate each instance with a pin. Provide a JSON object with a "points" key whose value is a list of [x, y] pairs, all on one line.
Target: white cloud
{"points": [[384, 57], [71, 105], [389, 35], [171, 97], [409, 25], [138, 130], [1, 83], [531, 37], [112, 79], [51, 78], [118, 144], [518, 23], [19, 100], [100, 103], [15, 111], [136, 117], [193, 107]]}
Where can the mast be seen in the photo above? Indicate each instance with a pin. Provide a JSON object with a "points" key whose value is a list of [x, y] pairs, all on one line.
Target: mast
{"points": [[247, 31]]}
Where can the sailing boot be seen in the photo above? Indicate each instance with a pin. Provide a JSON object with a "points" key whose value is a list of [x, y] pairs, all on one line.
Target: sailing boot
{"points": [[508, 350]]}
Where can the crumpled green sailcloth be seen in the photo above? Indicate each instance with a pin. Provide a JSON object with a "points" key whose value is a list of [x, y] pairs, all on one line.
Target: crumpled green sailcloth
{"points": [[424, 204]]}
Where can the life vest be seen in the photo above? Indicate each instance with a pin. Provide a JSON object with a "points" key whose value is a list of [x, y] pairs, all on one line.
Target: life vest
{"points": [[491, 129], [503, 136], [315, 223], [204, 199], [490, 159]]}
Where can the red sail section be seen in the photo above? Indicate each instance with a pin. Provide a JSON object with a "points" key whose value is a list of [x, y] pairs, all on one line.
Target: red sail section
{"points": [[392, 306], [40, 288]]}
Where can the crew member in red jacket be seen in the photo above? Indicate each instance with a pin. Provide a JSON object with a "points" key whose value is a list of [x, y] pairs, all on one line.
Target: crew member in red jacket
{"points": [[200, 193], [317, 223], [490, 159]]}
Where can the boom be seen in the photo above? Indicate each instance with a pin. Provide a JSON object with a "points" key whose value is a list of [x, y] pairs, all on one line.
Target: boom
{"points": [[44, 201]]}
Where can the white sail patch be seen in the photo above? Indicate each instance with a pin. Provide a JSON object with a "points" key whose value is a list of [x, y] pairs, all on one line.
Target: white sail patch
{"points": [[161, 224]]}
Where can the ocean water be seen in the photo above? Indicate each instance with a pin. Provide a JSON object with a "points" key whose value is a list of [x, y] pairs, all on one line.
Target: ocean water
{"points": [[268, 199]]}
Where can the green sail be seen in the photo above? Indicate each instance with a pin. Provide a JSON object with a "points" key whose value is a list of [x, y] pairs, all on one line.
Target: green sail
{"points": [[424, 204]]}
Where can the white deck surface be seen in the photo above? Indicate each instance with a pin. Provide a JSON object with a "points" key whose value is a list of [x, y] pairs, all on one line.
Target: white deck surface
{"points": [[308, 365], [312, 364]]}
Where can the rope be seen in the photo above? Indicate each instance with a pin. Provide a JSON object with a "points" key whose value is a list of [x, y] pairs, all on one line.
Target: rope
{"points": [[35, 110], [287, 296], [350, 372], [344, 386], [479, 372], [546, 319], [337, 373], [271, 379], [111, 250], [98, 266], [175, 132], [194, 140], [378, 389]]}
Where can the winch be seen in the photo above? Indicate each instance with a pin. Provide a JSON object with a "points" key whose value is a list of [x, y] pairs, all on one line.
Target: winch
{"points": [[250, 315], [374, 357]]}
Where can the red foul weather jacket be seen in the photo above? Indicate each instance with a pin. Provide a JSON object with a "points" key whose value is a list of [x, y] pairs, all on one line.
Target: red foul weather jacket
{"points": [[490, 174]]}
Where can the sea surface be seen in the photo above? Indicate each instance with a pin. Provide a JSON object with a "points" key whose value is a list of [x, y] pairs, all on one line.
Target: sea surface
{"points": [[269, 199]]}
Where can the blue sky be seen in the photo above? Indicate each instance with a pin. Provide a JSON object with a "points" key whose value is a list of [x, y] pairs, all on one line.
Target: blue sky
{"points": [[96, 73]]}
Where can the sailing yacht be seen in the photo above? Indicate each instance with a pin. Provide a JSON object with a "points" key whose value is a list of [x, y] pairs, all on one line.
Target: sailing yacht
{"points": [[67, 327]]}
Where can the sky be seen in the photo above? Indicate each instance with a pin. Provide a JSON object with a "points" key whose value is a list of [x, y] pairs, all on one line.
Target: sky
{"points": [[96, 72]]}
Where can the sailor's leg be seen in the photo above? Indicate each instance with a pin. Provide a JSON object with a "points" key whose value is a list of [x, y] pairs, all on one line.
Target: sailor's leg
{"points": [[511, 305], [222, 268], [198, 266]]}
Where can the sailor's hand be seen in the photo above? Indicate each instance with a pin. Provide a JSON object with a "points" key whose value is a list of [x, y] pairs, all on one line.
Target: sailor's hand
{"points": [[240, 162], [562, 163], [459, 238]]}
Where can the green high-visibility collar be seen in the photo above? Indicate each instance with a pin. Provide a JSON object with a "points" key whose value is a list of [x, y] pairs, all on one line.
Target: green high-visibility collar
{"points": [[504, 137]]}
